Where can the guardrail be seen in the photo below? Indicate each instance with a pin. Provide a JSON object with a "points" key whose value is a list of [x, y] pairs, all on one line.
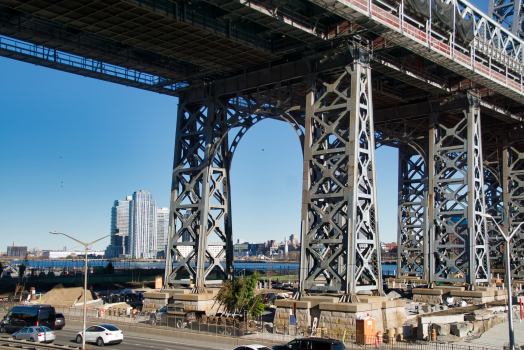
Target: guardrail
{"points": [[7, 342]]}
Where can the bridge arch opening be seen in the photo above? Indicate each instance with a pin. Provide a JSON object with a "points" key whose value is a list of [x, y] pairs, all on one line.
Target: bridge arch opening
{"points": [[266, 171]]}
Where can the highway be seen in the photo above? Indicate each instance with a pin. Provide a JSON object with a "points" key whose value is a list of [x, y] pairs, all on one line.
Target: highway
{"points": [[67, 336]]}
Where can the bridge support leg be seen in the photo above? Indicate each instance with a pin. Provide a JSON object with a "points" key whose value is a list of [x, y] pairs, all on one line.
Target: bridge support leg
{"points": [[340, 241], [413, 242], [200, 197], [513, 187], [494, 207], [459, 234]]}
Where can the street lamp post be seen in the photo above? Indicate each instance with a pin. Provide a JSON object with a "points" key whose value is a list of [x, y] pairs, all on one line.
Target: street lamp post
{"points": [[85, 279], [508, 277]]}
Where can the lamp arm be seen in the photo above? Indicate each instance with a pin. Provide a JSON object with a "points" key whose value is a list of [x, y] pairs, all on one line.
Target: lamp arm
{"points": [[113, 234], [74, 239]]}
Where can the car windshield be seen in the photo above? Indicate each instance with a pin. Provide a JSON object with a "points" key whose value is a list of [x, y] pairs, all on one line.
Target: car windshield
{"points": [[109, 327]]}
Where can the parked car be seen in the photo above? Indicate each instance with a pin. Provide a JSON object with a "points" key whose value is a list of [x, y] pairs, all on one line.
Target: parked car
{"points": [[252, 347], [28, 316], [269, 298], [36, 334], [312, 344], [174, 315], [59, 321], [102, 334]]}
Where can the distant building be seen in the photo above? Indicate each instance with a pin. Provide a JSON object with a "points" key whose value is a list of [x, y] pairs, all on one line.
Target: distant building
{"points": [[240, 241], [16, 251], [162, 231], [214, 250], [60, 254], [143, 239], [294, 239], [186, 236], [120, 223], [135, 220]]}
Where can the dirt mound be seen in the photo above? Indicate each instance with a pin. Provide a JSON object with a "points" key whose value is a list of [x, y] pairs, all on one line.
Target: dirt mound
{"points": [[66, 297]]}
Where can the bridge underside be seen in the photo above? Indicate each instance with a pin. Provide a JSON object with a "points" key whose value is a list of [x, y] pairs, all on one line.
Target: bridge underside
{"points": [[346, 86]]}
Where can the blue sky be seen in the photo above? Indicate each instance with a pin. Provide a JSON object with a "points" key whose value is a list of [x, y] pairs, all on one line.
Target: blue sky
{"points": [[70, 146]]}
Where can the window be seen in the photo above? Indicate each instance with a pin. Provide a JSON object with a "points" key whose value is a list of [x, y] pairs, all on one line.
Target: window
{"points": [[295, 344], [91, 329], [338, 347], [44, 314], [110, 327], [321, 346]]}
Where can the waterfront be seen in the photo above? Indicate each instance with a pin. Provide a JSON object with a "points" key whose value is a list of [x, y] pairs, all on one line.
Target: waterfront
{"points": [[285, 267]]}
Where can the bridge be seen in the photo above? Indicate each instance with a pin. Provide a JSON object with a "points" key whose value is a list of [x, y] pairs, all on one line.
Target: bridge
{"points": [[439, 80]]}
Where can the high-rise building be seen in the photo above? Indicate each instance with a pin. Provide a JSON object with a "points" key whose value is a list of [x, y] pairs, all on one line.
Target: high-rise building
{"points": [[143, 240], [294, 239], [186, 237], [162, 231], [121, 223]]}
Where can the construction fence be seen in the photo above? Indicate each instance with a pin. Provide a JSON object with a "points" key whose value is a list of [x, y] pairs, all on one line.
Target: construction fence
{"points": [[256, 330]]}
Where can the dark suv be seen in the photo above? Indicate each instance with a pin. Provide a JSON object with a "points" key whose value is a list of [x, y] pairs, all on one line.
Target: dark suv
{"points": [[312, 344], [59, 321]]}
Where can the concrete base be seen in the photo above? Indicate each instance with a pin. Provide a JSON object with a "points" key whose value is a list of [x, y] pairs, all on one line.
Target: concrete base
{"points": [[473, 297], [339, 317], [201, 302]]}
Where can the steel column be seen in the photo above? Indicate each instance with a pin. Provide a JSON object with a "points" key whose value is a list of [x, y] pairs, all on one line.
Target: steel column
{"points": [[340, 240], [200, 196], [459, 237], [513, 187], [413, 247]]}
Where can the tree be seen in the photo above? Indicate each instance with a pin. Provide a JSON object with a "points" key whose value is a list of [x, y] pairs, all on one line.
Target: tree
{"points": [[21, 270], [70, 257], [109, 269], [239, 296]]}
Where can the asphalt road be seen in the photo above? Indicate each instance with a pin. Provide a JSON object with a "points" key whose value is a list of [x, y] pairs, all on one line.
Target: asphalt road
{"points": [[67, 336]]}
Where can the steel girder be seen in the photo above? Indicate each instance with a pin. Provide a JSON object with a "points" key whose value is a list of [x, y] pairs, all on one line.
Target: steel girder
{"points": [[413, 242], [513, 185], [459, 250], [340, 241]]}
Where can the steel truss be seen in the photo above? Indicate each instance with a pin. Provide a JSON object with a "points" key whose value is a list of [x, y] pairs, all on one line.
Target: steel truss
{"points": [[201, 198], [459, 233], [494, 206], [340, 241], [513, 185], [413, 242]]}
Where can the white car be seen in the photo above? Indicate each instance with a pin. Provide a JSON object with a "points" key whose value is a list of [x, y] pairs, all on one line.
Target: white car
{"points": [[102, 334], [252, 347]]}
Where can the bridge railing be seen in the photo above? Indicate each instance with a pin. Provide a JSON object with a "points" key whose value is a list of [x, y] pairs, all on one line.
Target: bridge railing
{"points": [[86, 64], [494, 52]]}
